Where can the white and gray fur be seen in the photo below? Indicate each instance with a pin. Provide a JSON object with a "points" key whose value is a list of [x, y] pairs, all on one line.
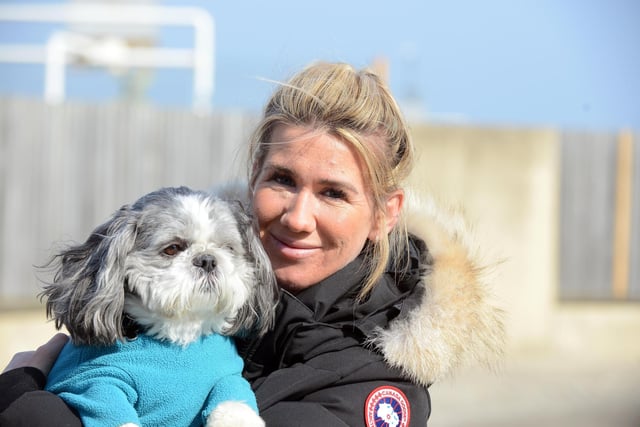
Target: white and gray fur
{"points": [[179, 263]]}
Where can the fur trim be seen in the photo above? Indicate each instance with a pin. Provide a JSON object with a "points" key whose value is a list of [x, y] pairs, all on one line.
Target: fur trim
{"points": [[455, 323]]}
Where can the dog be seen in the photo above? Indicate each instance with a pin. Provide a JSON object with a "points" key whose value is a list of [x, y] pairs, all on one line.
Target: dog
{"points": [[150, 301]]}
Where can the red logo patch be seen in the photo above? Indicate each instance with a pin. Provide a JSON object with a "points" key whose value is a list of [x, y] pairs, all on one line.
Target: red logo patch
{"points": [[387, 406]]}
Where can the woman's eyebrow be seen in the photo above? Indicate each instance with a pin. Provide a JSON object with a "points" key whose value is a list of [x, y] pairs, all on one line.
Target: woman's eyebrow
{"points": [[272, 167]]}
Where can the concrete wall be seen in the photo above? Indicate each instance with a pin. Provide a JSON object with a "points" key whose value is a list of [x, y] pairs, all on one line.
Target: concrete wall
{"points": [[507, 180]]}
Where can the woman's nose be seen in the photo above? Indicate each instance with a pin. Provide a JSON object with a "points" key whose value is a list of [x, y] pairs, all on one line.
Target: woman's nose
{"points": [[299, 214]]}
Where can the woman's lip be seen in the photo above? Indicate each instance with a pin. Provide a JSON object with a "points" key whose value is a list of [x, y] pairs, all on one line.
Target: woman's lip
{"points": [[292, 249]]}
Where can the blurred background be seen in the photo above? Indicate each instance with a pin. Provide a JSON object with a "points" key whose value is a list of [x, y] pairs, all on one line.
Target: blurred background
{"points": [[525, 114]]}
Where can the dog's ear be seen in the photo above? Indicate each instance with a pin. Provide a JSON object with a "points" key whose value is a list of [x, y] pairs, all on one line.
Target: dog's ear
{"points": [[265, 292], [258, 314], [87, 293]]}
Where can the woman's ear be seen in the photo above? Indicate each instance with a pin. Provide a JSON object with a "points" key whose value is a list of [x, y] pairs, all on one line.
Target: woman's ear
{"points": [[393, 207]]}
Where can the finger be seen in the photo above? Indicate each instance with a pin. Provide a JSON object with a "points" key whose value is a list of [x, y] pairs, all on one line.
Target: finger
{"points": [[46, 355], [19, 360], [54, 345]]}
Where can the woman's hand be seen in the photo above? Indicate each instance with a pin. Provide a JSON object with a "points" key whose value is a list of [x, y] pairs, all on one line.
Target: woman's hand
{"points": [[43, 358]]}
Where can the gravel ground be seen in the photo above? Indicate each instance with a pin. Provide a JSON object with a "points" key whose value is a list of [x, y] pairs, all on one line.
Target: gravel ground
{"points": [[546, 390]]}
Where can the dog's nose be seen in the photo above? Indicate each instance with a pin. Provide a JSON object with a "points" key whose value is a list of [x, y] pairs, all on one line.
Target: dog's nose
{"points": [[206, 262]]}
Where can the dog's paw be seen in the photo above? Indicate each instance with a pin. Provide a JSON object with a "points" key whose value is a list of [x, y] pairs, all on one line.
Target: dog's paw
{"points": [[234, 414]]}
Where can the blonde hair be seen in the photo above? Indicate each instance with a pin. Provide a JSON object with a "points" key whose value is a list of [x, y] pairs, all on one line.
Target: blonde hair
{"points": [[356, 106]]}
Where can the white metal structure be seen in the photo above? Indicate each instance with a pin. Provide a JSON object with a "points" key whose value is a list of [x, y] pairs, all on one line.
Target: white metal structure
{"points": [[63, 46]]}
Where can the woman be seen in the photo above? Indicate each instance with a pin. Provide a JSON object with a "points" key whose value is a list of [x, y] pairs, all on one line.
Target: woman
{"points": [[372, 312]]}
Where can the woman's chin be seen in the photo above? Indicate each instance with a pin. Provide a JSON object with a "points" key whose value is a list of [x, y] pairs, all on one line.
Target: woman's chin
{"points": [[291, 281]]}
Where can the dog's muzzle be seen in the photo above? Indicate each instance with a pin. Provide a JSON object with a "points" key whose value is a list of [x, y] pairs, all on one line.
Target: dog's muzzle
{"points": [[206, 262]]}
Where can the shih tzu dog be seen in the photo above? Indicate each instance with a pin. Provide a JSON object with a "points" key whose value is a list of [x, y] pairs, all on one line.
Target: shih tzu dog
{"points": [[150, 301]]}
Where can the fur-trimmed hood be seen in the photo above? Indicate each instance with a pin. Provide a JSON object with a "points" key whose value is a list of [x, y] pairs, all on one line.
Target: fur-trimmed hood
{"points": [[455, 323]]}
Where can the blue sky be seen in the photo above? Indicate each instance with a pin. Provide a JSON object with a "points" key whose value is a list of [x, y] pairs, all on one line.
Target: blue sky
{"points": [[564, 63]]}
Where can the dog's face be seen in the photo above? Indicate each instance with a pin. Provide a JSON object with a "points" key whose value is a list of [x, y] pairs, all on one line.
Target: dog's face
{"points": [[180, 263]]}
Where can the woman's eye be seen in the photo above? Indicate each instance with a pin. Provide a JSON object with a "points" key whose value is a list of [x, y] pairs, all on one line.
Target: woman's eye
{"points": [[332, 193], [173, 249], [282, 179]]}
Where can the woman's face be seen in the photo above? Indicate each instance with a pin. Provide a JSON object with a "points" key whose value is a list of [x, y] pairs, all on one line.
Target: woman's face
{"points": [[313, 208]]}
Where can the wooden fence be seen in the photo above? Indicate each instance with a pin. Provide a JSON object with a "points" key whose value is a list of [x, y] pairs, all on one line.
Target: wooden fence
{"points": [[600, 216], [64, 169]]}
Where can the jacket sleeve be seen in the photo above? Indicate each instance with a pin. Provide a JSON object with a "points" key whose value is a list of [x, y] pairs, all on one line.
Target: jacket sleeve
{"points": [[308, 414], [24, 403], [334, 389], [347, 405]]}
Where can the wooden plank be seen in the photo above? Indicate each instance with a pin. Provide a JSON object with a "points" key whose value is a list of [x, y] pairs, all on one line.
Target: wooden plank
{"points": [[634, 252], [622, 218], [588, 173]]}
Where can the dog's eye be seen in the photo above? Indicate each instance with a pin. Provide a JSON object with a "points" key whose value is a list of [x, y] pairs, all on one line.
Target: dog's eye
{"points": [[173, 249]]}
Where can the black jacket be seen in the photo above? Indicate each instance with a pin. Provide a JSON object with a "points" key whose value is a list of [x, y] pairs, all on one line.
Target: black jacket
{"points": [[316, 367]]}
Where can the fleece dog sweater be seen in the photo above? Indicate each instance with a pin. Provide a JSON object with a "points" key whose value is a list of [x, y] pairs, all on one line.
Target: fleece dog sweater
{"points": [[149, 382]]}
